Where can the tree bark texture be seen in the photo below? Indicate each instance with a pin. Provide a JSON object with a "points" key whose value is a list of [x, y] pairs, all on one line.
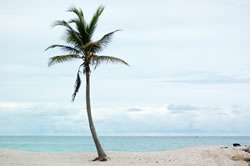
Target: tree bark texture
{"points": [[101, 154]]}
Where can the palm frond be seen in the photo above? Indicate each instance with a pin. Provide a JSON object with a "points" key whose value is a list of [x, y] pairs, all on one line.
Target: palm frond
{"points": [[97, 60], [81, 28], [73, 37], [98, 46], [61, 23], [64, 48], [80, 23], [91, 46], [93, 23], [62, 58], [106, 39], [78, 12], [77, 86]]}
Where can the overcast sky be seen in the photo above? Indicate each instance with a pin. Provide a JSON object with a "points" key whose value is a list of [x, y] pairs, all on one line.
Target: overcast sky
{"points": [[189, 69]]}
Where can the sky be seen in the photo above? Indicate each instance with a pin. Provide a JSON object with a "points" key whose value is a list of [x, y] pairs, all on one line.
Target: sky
{"points": [[189, 70]]}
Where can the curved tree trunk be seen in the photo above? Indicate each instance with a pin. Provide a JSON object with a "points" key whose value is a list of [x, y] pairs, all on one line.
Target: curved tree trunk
{"points": [[101, 154]]}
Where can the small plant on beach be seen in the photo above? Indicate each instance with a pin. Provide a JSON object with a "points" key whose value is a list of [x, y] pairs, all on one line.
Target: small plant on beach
{"points": [[81, 47]]}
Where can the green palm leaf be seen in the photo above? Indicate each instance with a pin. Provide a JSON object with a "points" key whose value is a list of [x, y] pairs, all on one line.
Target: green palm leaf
{"points": [[80, 23], [91, 46], [73, 37], [65, 48], [78, 12], [94, 20], [98, 46], [105, 40], [97, 60], [81, 28], [62, 58]]}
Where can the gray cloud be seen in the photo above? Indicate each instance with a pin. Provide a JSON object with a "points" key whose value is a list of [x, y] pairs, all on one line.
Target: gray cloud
{"points": [[236, 106], [211, 78], [182, 107], [135, 110], [210, 81]]}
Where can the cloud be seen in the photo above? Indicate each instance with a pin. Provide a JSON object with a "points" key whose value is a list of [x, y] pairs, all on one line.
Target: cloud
{"points": [[41, 119], [181, 107], [204, 120], [134, 110], [8, 106], [208, 78], [176, 119], [212, 81]]}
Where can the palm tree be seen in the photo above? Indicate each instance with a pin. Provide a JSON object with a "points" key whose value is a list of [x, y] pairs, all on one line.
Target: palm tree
{"points": [[81, 47]]}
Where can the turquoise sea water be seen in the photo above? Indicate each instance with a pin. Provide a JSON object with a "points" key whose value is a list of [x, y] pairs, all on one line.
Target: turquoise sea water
{"points": [[66, 144]]}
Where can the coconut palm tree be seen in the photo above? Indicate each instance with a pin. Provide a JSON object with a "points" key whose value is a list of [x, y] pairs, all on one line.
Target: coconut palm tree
{"points": [[81, 47]]}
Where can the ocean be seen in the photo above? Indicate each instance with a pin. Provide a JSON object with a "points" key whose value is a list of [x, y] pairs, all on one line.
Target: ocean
{"points": [[67, 144]]}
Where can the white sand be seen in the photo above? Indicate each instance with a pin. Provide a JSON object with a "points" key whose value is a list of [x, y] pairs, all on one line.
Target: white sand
{"points": [[200, 156]]}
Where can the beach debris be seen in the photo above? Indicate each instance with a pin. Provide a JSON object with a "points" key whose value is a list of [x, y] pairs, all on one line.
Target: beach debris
{"points": [[236, 145]]}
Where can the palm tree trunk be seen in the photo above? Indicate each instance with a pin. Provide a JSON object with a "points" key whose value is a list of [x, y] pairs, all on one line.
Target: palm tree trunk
{"points": [[101, 154]]}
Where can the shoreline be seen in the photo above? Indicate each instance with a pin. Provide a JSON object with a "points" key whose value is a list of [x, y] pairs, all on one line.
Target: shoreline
{"points": [[195, 156]]}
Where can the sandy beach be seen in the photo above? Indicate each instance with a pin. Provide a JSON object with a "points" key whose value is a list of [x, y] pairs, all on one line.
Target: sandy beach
{"points": [[198, 156]]}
